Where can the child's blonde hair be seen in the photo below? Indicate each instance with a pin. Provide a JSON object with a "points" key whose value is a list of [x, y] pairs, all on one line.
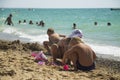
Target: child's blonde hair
{"points": [[50, 30], [75, 40]]}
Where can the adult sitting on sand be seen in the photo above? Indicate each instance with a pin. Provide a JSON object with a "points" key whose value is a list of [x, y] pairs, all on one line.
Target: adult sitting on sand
{"points": [[80, 54], [59, 49], [53, 38]]}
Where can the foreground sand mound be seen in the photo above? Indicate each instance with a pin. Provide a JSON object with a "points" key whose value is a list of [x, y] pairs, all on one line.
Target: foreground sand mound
{"points": [[16, 63]]}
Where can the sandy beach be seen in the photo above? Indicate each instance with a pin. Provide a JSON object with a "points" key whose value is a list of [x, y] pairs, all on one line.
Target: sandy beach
{"points": [[16, 63]]}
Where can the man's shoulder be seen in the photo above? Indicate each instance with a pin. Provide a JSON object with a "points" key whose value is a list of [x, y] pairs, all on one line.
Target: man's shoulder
{"points": [[79, 45]]}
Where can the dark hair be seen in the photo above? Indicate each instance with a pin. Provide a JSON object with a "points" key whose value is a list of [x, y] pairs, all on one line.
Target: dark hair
{"points": [[10, 15], [50, 30], [95, 23], [108, 23]]}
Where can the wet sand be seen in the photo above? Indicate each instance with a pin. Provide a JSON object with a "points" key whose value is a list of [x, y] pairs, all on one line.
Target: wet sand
{"points": [[16, 63]]}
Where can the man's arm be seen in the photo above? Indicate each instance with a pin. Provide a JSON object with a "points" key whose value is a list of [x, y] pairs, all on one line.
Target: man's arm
{"points": [[6, 21], [68, 53], [62, 35]]}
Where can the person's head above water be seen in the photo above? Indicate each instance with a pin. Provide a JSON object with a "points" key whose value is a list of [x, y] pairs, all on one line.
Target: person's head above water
{"points": [[10, 15]]}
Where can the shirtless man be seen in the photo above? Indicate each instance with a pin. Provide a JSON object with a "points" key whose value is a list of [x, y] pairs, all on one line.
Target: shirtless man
{"points": [[9, 20], [80, 54], [54, 38]]}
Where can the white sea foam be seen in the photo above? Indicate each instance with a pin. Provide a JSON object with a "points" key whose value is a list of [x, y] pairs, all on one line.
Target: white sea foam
{"points": [[100, 49], [62, 23], [9, 30], [107, 50], [38, 38], [2, 19], [32, 38]]}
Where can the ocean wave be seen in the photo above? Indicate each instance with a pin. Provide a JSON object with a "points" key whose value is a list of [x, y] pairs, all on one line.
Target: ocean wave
{"points": [[106, 49], [21, 33], [9, 30]]}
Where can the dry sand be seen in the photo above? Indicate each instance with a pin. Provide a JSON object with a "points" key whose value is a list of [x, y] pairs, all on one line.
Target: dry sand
{"points": [[16, 63]]}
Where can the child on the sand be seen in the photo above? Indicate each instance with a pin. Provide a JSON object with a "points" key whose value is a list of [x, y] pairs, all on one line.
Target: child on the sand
{"points": [[53, 38]]}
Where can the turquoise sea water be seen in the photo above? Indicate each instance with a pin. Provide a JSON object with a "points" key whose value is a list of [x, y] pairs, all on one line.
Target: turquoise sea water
{"points": [[102, 38]]}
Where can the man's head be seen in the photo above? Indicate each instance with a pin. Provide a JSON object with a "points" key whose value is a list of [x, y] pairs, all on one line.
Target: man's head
{"points": [[10, 15], [50, 31]]}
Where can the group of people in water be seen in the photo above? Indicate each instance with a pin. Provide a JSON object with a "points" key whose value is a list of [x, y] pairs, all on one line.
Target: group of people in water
{"points": [[41, 23], [108, 24], [9, 21], [70, 49]]}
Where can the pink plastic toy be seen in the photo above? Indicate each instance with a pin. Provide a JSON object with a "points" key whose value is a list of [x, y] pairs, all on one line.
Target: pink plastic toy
{"points": [[41, 63], [66, 67], [33, 54], [41, 56]]}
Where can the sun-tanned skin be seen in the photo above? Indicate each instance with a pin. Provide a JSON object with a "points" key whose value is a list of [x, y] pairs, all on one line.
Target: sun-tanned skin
{"points": [[58, 50], [53, 38], [81, 52]]}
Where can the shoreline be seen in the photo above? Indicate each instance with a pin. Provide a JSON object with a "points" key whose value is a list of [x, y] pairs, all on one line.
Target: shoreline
{"points": [[109, 57], [106, 56], [16, 63]]}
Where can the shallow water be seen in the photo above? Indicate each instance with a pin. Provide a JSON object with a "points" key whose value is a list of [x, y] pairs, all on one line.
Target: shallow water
{"points": [[102, 38]]}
